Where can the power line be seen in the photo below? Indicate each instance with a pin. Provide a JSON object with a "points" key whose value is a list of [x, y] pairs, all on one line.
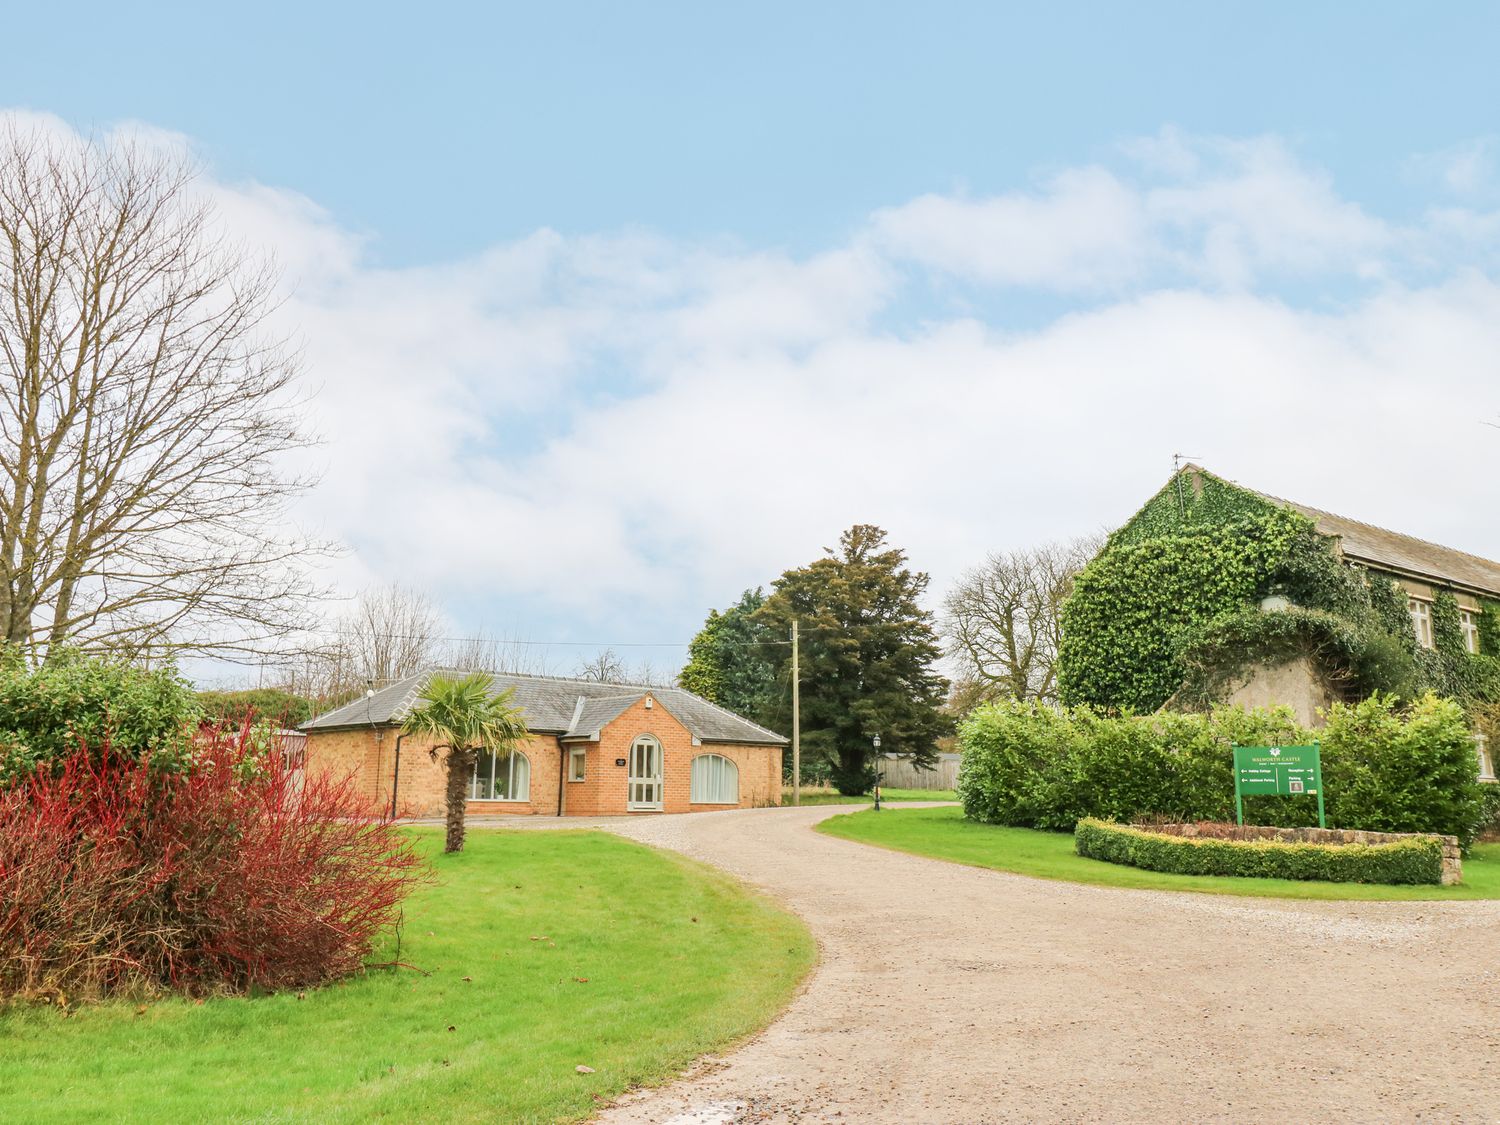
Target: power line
{"points": [[501, 642]]}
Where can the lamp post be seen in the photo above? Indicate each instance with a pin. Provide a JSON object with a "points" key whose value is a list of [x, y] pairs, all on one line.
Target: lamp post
{"points": [[876, 740]]}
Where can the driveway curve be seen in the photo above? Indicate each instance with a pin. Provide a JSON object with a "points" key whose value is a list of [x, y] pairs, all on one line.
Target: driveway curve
{"points": [[954, 994]]}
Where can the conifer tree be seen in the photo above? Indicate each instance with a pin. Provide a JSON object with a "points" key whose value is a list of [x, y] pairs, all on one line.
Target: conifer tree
{"points": [[869, 655]]}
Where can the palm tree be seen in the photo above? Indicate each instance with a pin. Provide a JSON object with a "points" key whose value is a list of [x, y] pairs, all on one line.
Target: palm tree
{"points": [[464, 717]]}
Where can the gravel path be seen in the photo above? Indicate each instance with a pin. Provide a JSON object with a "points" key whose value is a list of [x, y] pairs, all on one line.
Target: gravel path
{"points": [[952, 994]]}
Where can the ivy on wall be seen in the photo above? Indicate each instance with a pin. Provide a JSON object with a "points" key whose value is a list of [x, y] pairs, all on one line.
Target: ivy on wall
{"points": [[1192, 500], [1136, 603], [1489, 627], [1169, 610]]}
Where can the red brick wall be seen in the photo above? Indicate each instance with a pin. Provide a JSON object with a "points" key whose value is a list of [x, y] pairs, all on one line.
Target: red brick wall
{"points": [[422, 784], [604, 790]]}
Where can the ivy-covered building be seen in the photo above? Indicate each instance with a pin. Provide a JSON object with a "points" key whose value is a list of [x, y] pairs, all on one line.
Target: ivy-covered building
{"points": [[1218, 592]]}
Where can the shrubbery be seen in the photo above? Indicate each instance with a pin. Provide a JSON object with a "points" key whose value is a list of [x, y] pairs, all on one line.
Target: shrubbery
{"points": [[48, 711], [271, 705], [1407, 861], [1384, 769], [224, 875]]}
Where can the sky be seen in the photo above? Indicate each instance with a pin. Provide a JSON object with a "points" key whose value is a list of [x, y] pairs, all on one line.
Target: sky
{"points": [[609, 312]]}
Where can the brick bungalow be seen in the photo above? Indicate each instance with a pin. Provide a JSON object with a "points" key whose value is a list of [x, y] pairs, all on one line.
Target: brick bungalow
{"points": [[594, 749]]}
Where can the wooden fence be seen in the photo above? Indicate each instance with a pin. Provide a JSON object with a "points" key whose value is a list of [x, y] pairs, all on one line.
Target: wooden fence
{"points": [[899, 773]]}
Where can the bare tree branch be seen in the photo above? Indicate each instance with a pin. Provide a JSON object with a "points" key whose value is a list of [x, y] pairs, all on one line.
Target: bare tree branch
{"points": [[1002, 620], [145, 415], [603, 667]]}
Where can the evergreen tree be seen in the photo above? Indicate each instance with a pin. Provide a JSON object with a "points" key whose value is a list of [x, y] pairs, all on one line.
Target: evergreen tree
{"points": [[869, 652], [729, 663]]}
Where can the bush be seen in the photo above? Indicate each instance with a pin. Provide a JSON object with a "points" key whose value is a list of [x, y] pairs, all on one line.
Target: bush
{"points": [[1403, 771], [48, 711], [1384, 769], [118, 877], [273, 705], [1408, 861]]}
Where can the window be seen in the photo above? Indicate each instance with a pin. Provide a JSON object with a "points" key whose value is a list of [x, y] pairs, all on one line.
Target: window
{"points": [[716, 781], [1421, 620], [1486, 765], [577, 760], [1468, 620], [501, 777]]}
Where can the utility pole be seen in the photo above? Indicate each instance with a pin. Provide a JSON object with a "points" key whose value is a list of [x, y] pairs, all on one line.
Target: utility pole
{"points": [[796, 722]]}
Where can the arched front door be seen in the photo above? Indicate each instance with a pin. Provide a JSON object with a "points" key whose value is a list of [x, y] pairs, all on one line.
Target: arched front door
{"points": [[644, 783]]}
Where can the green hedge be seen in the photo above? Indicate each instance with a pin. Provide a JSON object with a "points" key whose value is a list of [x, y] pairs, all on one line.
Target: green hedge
{"points": [[1409, 861], [1385, 769]]}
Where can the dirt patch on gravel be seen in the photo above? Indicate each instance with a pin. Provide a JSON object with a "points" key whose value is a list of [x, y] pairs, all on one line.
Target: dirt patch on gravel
{"points": [[953, 994]]}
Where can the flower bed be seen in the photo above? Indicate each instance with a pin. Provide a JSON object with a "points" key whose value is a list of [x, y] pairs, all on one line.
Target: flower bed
{"points": [[1327, 855]]}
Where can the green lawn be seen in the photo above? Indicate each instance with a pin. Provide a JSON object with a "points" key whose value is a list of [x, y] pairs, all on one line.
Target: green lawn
{"points": [[945, 834], [546, 950], [834, 797]]}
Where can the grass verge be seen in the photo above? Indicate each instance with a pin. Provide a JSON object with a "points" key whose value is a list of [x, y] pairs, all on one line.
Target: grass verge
{"points": [[945, 834], [546, 950], [834, 797]]}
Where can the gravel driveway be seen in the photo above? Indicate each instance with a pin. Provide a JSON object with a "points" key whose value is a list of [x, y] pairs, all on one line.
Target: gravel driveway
{"points": [[952, 994]]}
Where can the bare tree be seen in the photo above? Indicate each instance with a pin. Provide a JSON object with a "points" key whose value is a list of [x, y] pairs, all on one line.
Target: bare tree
{"points": [[603, 667], [144, 412], [391, 632], [647, 674], [488, 653], [1002, 621]]}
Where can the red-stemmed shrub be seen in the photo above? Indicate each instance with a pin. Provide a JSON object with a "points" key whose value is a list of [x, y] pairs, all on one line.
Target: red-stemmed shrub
{"points": [[229, 875]]}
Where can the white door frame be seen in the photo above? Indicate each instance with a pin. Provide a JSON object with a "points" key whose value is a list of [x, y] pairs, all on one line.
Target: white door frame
{"points": [[643, 782]]}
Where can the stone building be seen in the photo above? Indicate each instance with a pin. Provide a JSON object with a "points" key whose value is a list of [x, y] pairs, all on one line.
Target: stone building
{"points": [[593, 749], [1422, 569]]}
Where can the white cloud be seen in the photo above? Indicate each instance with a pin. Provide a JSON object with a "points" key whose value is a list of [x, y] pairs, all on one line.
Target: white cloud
{"points": [[1207, 210], [1469, 169], [618, 431], [1085, 231]]}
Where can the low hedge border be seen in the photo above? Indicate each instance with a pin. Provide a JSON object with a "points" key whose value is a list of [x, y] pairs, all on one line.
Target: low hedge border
{"points": [[1419, 860]]}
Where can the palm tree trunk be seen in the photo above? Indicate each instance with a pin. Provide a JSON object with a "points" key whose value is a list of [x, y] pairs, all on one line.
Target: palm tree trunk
{"points": [[460, 770]]}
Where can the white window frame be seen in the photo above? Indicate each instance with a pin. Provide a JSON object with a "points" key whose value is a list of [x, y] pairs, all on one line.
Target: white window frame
{"points": [[1468, 621], [476, 788], [1421, 619], [707, 784], [1486, 763], [577, 763]]}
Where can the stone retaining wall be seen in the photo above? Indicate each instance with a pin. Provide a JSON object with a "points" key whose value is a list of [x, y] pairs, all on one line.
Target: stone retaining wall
{"points": [[1452, 857]]}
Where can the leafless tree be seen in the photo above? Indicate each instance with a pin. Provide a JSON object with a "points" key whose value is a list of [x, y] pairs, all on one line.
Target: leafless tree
{"points": [[145, 413], [1002, 621], [488, 653], [648, 675], [391, 632], [603, 667]]}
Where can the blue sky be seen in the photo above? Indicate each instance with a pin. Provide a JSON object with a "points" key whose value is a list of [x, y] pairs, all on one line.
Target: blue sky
{"points": [[653, 300], [446, 126]]}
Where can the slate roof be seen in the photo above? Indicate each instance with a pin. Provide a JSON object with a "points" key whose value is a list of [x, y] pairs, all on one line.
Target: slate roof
{"points": [[573, 709], [1382, 549], [596, 714]]}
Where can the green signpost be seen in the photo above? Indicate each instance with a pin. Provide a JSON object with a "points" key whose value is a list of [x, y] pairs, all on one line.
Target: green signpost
{"points": [[1295, 771]]}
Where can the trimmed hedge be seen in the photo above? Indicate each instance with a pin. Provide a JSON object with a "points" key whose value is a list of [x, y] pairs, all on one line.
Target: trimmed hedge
{"points": [[1410, 861], [1385, 768]]}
